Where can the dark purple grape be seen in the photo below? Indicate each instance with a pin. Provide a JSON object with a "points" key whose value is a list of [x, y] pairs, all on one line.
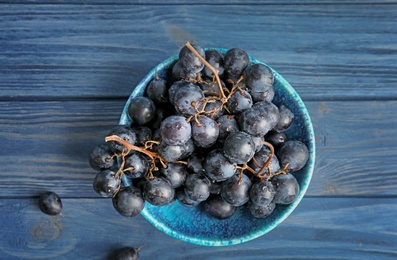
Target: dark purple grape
{"points": [[127, 253], [258, 141], [143, 134], [215, 187], [188, 148], [158, 191], [124, 132], [214, 109], [157, 90], [50, 203], [205, 131], [128, 201], [218, 167], [175, 130], [239, 101], [262, 193], [175, 87], [106, 183], [179, 73], [287, 188], [234, 192], [195, 163], [295, 153], [187, 100], [259, 80], [259, 119], [261, 157], [276, 139], [261, 211], [185, 200], [175, 173], [101, 157], [215, 58], [171, 153], [136, 165], [227, 125], [189, 61], [197, 187], [235, 61], [239, 147], [141, 110], [216, 207], [286, 119], [210, 88]]}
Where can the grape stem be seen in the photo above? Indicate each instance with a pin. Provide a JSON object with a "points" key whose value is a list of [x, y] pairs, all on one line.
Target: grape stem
{"points": [[214, 71]]}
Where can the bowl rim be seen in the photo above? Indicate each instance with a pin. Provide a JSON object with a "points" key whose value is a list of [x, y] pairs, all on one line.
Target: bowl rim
{"points": [[124, 119]]}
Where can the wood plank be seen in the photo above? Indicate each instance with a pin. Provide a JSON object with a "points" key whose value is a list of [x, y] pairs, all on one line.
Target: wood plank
{"points": [[91, 229], [327, 52], [45, 145]]}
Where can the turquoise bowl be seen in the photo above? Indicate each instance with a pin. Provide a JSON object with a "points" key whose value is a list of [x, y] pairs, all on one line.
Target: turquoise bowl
{"points": [[195, 226]]}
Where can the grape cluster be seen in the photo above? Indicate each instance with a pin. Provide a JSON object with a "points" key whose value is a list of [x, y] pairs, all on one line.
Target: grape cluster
{"points": [[206, 135]]}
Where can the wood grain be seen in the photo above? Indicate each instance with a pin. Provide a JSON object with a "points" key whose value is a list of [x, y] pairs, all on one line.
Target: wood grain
{"points": [[46, 145], [91, 229], [93, 51]]}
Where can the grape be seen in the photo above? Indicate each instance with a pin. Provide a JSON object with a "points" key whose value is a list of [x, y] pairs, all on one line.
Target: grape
{"points": [[235, 61], [141, 110], [136, 165], [261, 211], [286, 119], [158, 191], [179, 73], [50, 203], [218, 167], [205, 131], [195, 163], [259, 119], [262, 193], [215, 58], [215, 187], [210, 88], [287, 188], [143, 134], [101, 157], [295, 153], [239, 147], [185, 200], [175, 174], [189, 61], [127, 253], [187, 99], [157, 90], [234, 192], [239, 101], [175, 87], [124, 132], [197, 187], [275, 138], [258, 141], [259, 80], [106, 183], [214, 109], [171, 153], [216, 207], [227, 125], [175, 130], [128, 201], [261, 157]]}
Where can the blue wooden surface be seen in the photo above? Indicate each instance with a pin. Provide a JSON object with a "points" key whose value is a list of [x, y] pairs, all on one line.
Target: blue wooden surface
{"points": [[66, 71]]}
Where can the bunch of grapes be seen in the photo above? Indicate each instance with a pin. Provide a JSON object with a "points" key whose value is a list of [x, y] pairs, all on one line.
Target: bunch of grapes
{"points": [[208, 134]]}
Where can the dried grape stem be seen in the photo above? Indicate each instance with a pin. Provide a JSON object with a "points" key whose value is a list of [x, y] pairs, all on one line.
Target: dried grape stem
{"points": [[214, 71], [267, 163]]}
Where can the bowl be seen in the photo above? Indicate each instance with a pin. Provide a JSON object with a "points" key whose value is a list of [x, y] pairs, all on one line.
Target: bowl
{"points": [[195, 226]]}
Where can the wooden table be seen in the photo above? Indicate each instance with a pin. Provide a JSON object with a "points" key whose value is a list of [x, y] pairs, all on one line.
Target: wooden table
{"points": [[67, 69]]}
